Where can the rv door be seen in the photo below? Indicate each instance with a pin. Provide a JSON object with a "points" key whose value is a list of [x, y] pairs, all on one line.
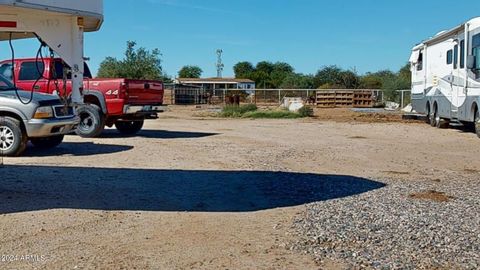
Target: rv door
{"points": [[459, 77]]}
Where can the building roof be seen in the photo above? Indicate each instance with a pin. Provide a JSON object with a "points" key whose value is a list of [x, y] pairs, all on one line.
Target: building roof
{"points": [[213, 80]]}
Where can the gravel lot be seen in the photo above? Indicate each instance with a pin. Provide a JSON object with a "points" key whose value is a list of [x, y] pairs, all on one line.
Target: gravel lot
{"points": [[341, 191]]}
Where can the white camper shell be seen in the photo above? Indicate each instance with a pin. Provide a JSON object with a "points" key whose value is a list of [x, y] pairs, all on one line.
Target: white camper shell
{"points": [[59, 23], [446, 76]]}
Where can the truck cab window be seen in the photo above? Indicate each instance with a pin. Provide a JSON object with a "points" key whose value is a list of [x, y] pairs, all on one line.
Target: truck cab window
{"points": [[30, 71], [59, 71], [6, 71]]}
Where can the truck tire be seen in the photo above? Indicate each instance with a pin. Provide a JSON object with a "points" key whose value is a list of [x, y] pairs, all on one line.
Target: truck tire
{"points": [[48, 142], [92, 121], [129, 127], [477, 122], [13, 140]]}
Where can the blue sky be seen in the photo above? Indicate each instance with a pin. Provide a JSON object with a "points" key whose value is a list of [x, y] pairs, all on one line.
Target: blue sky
{"points": [[367, 35]]}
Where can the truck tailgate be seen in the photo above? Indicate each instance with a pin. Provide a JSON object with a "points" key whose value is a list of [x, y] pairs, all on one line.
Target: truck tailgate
{"points": [[142, 92]]}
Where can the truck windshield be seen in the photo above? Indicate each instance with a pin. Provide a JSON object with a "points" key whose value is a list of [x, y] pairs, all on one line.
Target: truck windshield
{"points": [[5, 84]]}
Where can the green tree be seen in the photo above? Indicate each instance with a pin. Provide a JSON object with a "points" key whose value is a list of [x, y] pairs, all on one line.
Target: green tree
{"points": [[333, 77], [349, 79], [298, 81], [138, 63], [190, 72], [110, 68], [244, 70], [399, 81], [279, 72], [328, 77], [371, 81]]}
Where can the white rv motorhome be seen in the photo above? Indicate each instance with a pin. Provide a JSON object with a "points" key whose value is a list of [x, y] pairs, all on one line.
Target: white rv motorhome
{"points": [[446, 76]]}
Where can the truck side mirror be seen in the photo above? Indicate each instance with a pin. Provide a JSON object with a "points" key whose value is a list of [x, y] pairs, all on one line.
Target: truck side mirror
{"points": [[470, 62]]}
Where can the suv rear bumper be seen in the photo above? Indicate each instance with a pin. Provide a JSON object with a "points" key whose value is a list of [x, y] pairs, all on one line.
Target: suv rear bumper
{"points": [[37, 128]]}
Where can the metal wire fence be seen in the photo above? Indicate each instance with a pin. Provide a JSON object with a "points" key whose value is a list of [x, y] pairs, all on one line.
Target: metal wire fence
{"points": [[192, 96]]}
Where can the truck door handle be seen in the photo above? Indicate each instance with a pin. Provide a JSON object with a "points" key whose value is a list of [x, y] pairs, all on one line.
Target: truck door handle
{"points": [[36, 87]]}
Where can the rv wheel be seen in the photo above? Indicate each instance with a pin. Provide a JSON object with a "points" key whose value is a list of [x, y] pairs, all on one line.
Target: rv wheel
{"points": [[427, 119], [477, 123], [433, 117], [441, 123]]}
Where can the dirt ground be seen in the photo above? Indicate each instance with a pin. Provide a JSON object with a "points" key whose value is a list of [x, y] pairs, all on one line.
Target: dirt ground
{"points": [[195, 192]]}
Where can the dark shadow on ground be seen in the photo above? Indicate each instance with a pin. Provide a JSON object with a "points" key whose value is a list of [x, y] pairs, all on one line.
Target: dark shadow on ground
{"points": [[77, 149], [463, 128], [157, 134], [32, 188]]}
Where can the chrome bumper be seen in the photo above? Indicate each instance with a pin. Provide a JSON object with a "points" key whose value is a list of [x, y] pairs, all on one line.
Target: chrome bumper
{"points": [[37, 128], [127, 109]]}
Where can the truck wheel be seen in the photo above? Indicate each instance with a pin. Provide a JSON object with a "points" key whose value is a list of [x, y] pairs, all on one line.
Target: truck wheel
{"points": [[13, 140], [477, 123], [48, 142], [129, 127], [92, 121]]}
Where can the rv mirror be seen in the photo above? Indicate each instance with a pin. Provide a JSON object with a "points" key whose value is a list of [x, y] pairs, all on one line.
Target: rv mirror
{"points": [[470, 62]]}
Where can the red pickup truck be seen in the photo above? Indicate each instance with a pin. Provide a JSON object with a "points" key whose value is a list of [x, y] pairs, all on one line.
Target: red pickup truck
{"points": [[124, 103]]}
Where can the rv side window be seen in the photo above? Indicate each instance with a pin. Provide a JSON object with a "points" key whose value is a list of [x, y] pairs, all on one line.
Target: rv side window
{"points": [[476, 54], [455, 57], [420, 62], [449, 57], [476, 41], [462, 54]]}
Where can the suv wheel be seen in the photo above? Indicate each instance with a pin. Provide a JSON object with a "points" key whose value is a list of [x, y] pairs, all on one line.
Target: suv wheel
{"points": [[92, 121], [129, 127], [48, 142], [13, 140]]}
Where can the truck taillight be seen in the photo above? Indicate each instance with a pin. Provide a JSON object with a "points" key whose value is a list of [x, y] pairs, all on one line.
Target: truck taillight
{"points": [[123, 90]]}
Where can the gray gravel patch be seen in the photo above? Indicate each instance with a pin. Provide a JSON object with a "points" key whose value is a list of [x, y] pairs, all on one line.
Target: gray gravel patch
{"points": [[388, 229]]}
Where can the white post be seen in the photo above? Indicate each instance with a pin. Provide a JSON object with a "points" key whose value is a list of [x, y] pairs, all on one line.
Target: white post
{"points": [[77, 57], [403, 92]]}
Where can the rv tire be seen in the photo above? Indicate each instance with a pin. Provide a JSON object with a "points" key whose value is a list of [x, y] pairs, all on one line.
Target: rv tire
{"points": [[427, 119], [477, 122], [432, 116], [441, 122]]}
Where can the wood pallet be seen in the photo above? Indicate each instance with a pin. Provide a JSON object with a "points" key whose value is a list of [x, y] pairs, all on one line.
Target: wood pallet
{"points": [[344, 99]]}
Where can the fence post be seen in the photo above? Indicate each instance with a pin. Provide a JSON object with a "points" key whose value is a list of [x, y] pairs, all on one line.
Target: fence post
{"points": [[279, 96]]}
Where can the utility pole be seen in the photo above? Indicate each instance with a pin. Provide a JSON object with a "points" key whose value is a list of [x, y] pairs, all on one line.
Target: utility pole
{"points": [[220, 64]]}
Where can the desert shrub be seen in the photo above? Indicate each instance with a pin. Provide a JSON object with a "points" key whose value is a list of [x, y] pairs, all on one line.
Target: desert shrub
{"points": [[306, 111]]}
